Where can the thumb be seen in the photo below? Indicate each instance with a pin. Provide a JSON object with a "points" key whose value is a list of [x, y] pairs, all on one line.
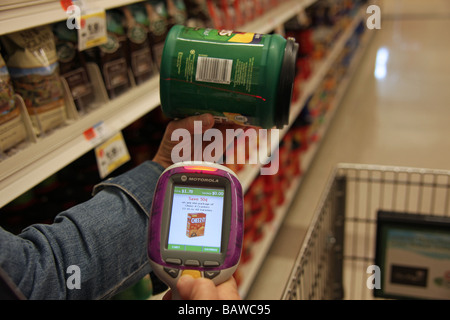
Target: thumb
{"points": [[196, 289], [189, 123]]}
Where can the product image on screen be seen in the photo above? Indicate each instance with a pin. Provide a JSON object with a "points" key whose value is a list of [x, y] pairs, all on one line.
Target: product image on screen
{"points": [[196, 219]]}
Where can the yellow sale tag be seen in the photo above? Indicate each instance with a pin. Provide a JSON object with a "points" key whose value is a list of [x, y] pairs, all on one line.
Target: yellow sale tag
{"points": [[92, 30], [111, 154]]}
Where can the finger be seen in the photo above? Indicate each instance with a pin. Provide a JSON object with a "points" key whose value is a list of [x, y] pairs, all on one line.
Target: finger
{"points": [[228, 290], [196, 289], [184, 286], [189, 123]]}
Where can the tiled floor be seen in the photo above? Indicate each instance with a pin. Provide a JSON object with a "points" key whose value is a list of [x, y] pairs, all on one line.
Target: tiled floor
{"points": [[396, 112]]}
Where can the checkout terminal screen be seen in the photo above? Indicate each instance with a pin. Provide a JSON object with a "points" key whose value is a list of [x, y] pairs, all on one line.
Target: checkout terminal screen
{"points": [[196, 219]]}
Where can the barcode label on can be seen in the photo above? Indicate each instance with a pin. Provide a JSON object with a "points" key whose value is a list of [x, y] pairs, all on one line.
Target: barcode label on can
{"points": [[214, 70]]}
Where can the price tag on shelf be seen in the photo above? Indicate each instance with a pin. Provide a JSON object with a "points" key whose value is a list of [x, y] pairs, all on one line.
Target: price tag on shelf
{"points": [[97, 134], [92, 31], [89, 22], [111, 154]]}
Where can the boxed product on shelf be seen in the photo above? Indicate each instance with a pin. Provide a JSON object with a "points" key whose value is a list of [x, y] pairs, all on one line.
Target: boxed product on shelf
{"points": [[258, 7], [176, 12], [12, 127], [322, 17], [32, 62], [246, 7], [216, 14], [267, 193], [72, 66], [316, 29], [138, 46], [299, 28], [158, 27], [197, 14], [111, 57], [322, 101], [230, 14], [238, 14]]}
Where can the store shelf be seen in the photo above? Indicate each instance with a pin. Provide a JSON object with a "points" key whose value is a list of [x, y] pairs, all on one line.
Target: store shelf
{"points": [[58, 149], [39, 160], [260, 249], [55, 151], [20, 16], [29, 14], [276, 16], [320, 69]]}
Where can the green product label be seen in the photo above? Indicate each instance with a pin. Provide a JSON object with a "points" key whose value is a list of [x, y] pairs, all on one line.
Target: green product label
{"points": [[213, 35], [111, 45], [66, 51], [137, 34], [232, 67], [244, 73], [158, 27], [232, 75]]}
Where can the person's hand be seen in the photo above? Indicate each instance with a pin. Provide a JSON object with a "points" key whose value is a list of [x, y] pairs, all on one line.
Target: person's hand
{"points": [[164, 154], [205, 289]]}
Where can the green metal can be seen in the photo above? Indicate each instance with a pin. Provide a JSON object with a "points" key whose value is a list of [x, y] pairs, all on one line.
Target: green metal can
{"points": [[240, 77]]}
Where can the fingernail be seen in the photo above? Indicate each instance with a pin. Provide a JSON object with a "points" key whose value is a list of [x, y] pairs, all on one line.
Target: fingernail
{"points": [[205, 119]]}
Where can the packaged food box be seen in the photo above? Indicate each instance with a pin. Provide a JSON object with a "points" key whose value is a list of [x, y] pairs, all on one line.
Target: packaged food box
{"points": [[72, 65], [195, 225], [139, 51]]}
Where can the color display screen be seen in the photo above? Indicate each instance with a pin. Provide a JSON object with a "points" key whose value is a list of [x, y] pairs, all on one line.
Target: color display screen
{"points": [[196, 219]]}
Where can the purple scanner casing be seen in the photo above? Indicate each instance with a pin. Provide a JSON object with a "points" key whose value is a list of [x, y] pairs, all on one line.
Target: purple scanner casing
{"points": [[232, 229]]}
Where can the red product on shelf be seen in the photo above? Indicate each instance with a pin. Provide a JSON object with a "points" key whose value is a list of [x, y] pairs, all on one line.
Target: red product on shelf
{"points": [[304, 69], [247, 246], [215, 14], [257, 7], [296, 92], [269, 209], [228, 15], [239, 15], [306, 44], [247, 10]]}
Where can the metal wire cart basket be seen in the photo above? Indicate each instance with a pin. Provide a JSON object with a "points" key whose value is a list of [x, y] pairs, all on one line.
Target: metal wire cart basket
{"points": [[378, 231]]}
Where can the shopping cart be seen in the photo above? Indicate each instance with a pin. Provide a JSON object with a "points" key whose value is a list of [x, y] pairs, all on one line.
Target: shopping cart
{"points": [[340, 243]]}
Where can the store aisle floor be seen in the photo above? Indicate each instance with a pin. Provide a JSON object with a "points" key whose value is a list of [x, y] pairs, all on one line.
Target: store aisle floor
{"points": [[396, 112]]}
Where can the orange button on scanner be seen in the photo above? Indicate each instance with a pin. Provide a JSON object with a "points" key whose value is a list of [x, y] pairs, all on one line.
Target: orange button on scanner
{"points": [[193, 273]]}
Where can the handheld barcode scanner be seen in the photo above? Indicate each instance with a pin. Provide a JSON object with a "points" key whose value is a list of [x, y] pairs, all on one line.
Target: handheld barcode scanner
{"points": [[196, 223]]}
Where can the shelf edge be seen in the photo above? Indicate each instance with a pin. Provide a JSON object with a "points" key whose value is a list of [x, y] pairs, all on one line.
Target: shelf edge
{"points": [[39, 160]]}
